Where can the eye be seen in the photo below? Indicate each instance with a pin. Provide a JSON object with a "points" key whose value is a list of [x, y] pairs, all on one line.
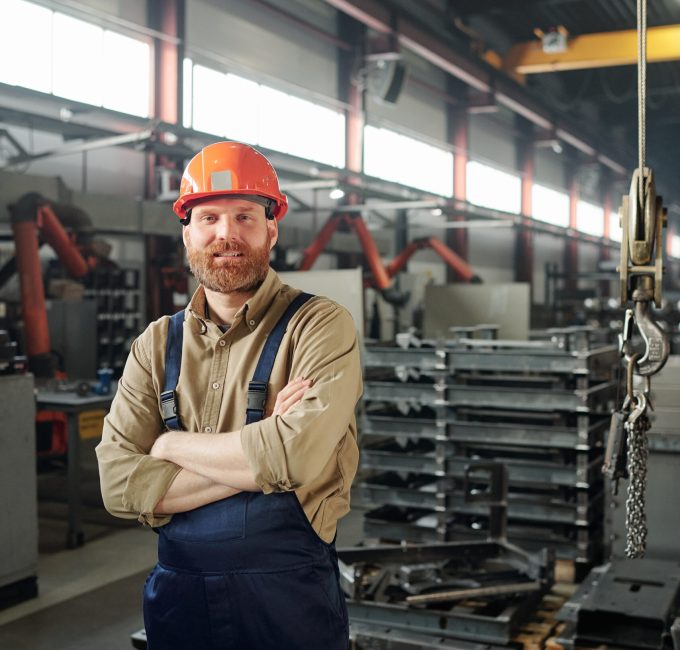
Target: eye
{"points": [[208, 218], [245, 216]]}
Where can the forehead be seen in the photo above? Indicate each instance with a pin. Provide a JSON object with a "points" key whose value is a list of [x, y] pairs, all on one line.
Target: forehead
{"points": [[226, 204]]}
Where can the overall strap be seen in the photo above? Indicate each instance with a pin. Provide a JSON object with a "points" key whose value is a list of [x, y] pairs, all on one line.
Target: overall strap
{"points": [[257, 388], [173, 362]]}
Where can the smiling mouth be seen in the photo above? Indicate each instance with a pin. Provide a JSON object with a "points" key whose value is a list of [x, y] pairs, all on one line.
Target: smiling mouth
{"points": [[228, 254]]}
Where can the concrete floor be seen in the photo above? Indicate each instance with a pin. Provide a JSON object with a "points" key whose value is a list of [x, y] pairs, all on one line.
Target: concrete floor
{"points": [[90, 597]]}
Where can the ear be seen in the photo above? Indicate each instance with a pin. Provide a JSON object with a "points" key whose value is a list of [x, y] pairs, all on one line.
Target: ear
{"points": [[185, 236], [273, 228]]}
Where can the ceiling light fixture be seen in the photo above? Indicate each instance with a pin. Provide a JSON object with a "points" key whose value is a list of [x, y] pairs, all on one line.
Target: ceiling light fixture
{"points": [[336, 193]]}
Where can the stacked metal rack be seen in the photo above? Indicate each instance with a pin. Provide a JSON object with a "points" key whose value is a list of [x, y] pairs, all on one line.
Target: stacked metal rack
{"points": [[117, 295], [541, 407]]}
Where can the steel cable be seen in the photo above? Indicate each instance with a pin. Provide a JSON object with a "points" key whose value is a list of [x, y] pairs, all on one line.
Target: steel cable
{"points": [[642, 91]]}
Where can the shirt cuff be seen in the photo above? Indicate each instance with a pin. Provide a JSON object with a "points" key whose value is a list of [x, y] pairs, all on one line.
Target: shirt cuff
{"points": [[257, 453], [147, 484]]}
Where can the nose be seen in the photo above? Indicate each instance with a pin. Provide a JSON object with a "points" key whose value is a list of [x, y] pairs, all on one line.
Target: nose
{"points": [[226, 229]]}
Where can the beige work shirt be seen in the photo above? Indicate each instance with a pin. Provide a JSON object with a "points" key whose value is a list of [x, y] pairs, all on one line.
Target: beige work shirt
{"points": [[312, 449]]}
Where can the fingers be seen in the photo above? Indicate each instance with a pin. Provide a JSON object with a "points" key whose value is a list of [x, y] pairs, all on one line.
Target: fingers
{"points": [[291, 387], [290, 395]]}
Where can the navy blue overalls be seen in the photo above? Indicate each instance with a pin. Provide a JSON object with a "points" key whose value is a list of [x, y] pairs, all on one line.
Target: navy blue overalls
{"points": [[248, 572]]}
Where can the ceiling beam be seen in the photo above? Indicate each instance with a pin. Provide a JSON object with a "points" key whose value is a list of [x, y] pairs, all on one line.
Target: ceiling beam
{"points": [[474, 72], [601, 50], [466, 8]]}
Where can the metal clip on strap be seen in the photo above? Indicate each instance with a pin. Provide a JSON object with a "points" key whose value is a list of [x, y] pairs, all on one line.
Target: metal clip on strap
{"points": [[169, 409], [257, 397]]}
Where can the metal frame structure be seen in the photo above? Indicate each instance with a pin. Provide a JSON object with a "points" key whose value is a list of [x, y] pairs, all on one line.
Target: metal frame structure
{"points": [[472, 591], [540, 407]]}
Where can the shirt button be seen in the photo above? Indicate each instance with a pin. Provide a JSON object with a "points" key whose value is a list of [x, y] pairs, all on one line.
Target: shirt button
{"points": [[216, 385], [252, 323], [223, 343], [208, 429]]}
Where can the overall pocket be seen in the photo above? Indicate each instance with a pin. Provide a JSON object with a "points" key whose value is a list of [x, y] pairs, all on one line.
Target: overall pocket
{"points": [[214, 522]]}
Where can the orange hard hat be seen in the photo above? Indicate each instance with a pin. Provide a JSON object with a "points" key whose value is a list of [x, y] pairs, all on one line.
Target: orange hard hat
{"points": [[230, 168]]}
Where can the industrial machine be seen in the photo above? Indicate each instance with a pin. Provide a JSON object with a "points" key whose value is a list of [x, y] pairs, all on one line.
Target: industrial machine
{"points": [[32, 215], [382, 275]]}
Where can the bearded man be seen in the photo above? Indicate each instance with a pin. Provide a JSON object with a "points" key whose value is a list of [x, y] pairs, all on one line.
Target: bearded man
{"points": [[232, 432]]}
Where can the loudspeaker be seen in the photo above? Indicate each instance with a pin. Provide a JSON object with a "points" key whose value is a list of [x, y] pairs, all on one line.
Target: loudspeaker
{"points": [[386, 79]]}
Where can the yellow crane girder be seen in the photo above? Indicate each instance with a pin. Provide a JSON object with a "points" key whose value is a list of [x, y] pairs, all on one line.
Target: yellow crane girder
{"points": [[600, 50]]}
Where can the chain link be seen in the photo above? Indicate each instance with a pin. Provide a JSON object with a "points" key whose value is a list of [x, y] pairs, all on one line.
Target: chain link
{"points": [[636, 520]]}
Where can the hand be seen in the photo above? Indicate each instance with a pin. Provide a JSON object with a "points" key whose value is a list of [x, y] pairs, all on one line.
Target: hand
{"points": [[290, 395]]}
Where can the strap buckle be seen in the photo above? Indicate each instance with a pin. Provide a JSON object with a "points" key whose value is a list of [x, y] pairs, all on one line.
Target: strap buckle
{"points": [[257, 396], [168, 406]]}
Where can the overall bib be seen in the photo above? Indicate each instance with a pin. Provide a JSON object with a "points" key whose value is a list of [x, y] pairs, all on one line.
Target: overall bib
{"points": [[248, 572]]}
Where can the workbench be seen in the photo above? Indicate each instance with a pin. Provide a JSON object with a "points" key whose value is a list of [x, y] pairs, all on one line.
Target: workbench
{"points": [[72, 405]]}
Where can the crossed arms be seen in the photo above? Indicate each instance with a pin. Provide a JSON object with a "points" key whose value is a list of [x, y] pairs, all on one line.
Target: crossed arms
{"points": [[149, 477], [213, 467]]}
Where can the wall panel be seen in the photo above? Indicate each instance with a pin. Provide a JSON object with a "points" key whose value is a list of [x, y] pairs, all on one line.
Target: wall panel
{"points": [[245, 39]]}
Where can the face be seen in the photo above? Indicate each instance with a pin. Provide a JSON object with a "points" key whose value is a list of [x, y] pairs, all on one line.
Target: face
{"points": [[228, 243]]}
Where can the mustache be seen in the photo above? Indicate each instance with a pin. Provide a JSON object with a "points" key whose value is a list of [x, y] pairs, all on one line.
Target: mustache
{"points": [[225, 247]]}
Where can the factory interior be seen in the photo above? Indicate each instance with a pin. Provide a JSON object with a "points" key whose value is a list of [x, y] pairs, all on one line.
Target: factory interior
{"points": [[487, 186]]}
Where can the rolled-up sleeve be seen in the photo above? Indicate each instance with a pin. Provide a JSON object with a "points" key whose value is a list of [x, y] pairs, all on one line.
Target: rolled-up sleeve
{"points": [[132, 482], [289, 451]]}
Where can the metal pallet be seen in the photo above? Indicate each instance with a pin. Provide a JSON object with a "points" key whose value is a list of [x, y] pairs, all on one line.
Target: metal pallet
{"points": [[566, 546], [583, 400], [521, 506], [539, 407], [584, 434]]}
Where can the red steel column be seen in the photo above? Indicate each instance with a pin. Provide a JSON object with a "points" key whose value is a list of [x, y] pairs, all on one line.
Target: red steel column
{"points": [[351, 31], [458, 126], [166, 16], [605, 252], [524, 244]]}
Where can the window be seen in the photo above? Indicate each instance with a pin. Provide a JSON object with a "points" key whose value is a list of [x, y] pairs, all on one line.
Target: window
{"points": [[77, 59], [398, 158], [243, 110], [615, 231], [675, 246], [492, 188], [225, 104], [589, 218], [55, 53], [126, 74], [301, 128], [26, 46], [550, 205]]}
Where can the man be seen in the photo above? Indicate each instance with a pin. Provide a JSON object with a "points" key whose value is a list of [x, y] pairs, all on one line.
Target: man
{"points": [[247, 492]]}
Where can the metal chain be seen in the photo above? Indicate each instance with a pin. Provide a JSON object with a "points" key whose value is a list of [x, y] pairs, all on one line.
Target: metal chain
{"points": [[642, 89], [636, 520]]}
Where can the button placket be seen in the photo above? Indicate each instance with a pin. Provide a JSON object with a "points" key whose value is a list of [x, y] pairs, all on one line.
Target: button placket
{"points": [[218, 366]]}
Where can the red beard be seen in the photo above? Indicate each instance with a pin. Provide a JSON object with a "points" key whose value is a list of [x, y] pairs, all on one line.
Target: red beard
{"points": [[224, 275]]}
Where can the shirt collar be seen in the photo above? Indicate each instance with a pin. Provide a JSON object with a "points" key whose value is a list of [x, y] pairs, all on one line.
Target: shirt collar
{"points": [[254, 308]]}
